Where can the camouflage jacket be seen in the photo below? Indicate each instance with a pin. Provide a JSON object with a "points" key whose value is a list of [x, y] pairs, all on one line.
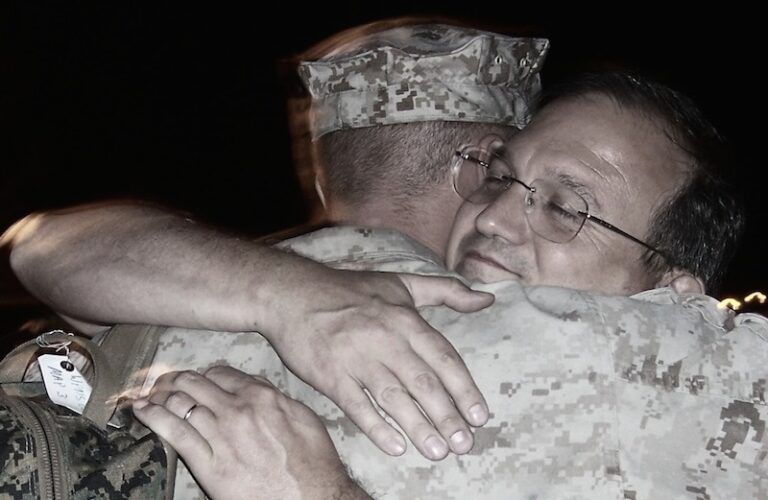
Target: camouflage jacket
{"points": [[651, 396]]}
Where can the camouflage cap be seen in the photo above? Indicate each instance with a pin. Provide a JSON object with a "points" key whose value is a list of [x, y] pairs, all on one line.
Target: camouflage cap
{"points": [[426, 72]]}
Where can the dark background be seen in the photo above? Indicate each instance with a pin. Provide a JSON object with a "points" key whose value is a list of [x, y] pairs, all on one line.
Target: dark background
{"points": [[185, 105]]}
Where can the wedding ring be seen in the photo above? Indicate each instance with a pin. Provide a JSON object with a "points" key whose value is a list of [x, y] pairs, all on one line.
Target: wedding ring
{"points": [[189, 412]]}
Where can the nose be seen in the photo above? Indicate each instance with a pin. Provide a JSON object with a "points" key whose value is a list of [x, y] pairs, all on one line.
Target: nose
{"points": [[504, 217]]}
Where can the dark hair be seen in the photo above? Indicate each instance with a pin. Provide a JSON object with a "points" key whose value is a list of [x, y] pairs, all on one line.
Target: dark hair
{"points": [[700, 225], [399, 161]]}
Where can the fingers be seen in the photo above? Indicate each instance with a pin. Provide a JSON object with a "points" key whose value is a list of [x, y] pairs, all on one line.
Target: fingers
{"points": [[425, 387], [176, 402], [184, 437], [398, 403], [435, 291], [358, 407], [232, 380], [202, 390], [452, 373]]}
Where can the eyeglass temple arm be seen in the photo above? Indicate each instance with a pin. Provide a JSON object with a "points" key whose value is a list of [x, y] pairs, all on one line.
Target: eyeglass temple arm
{"points": [[615, 229], [472, 159], [586, 215]]}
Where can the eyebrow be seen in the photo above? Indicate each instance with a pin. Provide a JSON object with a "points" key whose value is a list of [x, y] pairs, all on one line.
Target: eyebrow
{"points": [[567, 180], [581, 188]]}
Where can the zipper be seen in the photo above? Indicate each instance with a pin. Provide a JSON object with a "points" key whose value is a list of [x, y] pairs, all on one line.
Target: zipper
{"points": [[49, 428], [49, 452]]}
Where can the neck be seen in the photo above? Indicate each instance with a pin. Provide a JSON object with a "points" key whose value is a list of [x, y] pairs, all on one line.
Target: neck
{"points": [[429, 223]]}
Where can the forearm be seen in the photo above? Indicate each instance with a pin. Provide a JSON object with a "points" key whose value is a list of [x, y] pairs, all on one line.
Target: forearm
{"points": [[345, 333], [139, 264]]}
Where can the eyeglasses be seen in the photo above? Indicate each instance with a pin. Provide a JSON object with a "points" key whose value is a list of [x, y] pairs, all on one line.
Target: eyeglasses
{"points": [[554, 212]]}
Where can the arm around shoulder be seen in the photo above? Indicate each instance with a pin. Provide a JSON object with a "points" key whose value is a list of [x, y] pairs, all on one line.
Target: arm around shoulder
{"points": [[127, 262]]}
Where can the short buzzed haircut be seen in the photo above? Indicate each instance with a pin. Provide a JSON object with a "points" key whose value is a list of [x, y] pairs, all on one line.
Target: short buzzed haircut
{"points": [[397, 161]]}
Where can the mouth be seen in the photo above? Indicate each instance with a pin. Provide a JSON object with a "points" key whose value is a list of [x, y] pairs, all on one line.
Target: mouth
{"points": [[482, 267]]}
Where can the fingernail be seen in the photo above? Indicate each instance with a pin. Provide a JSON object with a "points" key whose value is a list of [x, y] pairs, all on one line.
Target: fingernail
{"points": [[461, 441], [436, 447], [140, 403], [396, 445], [479, 414]]}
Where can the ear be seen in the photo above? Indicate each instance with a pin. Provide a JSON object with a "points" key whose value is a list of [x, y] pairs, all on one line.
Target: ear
{"points": [[490, 142], [681, 281]]}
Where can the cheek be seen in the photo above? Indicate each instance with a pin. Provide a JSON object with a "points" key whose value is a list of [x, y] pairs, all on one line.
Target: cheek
{"points": [[618, 271], [574, 266], [463, 228], [565, 264]]}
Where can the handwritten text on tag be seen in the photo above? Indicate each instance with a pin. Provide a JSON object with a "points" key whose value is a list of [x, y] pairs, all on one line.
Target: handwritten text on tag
{"points": [[63, 382]]}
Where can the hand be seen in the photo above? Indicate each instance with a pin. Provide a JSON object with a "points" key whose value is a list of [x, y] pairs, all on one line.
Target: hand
{"points": [[342, 332], [346, 332], [241, 435]]}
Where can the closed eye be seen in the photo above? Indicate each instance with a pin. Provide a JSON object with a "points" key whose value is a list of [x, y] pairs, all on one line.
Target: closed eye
{"points": [[557, 210]]}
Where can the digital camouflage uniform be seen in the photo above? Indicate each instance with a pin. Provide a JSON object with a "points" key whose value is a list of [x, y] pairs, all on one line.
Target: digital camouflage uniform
{"points": [[656, 396], [648, 397]]}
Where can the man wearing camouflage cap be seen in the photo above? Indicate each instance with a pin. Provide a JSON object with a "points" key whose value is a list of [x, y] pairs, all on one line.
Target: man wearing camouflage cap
{"points": [[484, 67], [440, 87], [494, 61], [560, 416]]}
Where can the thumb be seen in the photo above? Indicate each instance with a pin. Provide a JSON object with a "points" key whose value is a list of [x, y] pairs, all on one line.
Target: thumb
{"points": [[436, 291]]}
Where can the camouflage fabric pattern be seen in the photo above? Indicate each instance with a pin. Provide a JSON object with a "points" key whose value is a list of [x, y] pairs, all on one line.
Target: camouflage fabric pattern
{"points": [[429, 72], [644, 397], [118, 463]]}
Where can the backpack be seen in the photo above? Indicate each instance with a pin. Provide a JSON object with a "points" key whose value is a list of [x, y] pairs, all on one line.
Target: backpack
{"points": [[51, 452]]}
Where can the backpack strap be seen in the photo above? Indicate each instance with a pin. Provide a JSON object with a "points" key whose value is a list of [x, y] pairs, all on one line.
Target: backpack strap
{"points": [[15, 364], [134, 346], [119, 363], [130, 349]]}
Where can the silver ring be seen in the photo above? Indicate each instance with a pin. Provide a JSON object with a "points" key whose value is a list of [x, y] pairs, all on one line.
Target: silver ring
{"points": [[189, 412]]}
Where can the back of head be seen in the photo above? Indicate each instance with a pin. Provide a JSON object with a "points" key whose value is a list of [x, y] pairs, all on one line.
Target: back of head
{"points": [[391, 100], [699, 226]]}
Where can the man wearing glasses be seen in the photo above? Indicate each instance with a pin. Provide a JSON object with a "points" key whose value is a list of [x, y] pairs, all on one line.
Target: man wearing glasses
{"points": [[596, 396], [558, 241], [593, 396]]}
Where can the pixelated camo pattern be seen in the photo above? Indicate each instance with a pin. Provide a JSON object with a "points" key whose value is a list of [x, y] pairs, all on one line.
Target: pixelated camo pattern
{"points": [[96, 464], [425, 73], [655, 396]]}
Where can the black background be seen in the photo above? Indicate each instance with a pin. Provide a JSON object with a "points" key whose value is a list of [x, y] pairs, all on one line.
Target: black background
{"points": [[184, 104]]}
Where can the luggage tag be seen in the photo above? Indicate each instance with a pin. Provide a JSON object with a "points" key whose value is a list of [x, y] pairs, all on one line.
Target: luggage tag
{"points": [[64, 383]]}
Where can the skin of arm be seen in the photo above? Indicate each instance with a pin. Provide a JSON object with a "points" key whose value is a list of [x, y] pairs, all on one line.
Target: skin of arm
{"points": [[343, 332], [86, 261]]}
